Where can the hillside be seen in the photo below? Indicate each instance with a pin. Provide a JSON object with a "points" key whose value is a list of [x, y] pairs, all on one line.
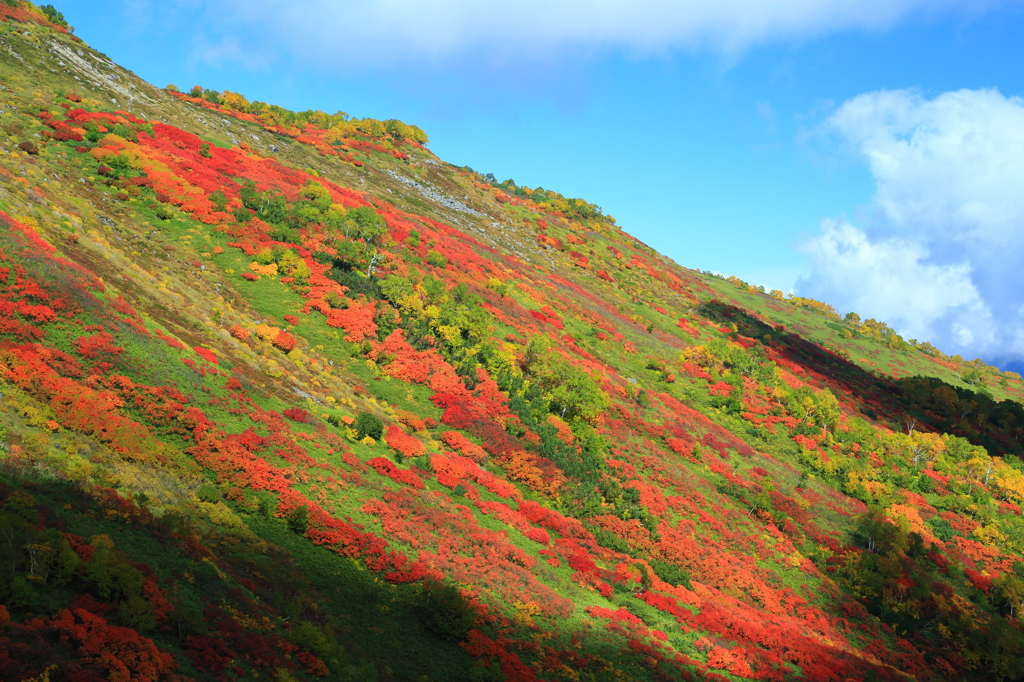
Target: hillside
{"points": [[285, 396]]}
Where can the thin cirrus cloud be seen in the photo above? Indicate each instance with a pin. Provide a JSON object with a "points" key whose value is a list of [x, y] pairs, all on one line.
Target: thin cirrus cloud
{"points": [[942, 258], [361, 32]]}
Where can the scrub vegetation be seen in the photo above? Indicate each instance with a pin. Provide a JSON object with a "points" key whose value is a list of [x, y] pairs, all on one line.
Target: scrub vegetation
{"points": [[286, 397]]}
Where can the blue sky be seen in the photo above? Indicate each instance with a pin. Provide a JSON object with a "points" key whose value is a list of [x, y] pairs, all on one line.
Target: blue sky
{"points": [[865, 152]]}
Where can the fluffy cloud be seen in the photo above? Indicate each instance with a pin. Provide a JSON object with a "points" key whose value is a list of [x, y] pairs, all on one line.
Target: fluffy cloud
{"points": [[892, 280], [410, 31], [943, 258]]}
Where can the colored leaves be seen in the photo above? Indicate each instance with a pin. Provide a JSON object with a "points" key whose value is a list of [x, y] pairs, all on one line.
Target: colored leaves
{"points": [[284, 341], [357, 320], [385, 467], [402, 443]]}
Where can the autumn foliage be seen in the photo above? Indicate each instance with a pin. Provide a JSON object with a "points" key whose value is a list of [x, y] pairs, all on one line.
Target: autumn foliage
{"points": [[506, 442]]}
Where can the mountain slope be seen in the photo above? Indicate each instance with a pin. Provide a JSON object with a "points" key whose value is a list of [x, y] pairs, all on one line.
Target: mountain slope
{"points": [[286, 396]]}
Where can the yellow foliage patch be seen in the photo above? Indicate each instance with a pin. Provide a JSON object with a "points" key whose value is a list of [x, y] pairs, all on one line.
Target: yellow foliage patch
{"points": [[264, 270]]}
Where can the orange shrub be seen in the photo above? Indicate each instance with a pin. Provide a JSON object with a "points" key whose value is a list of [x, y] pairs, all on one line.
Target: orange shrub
{"points": [[402, 443], [284, 341]]}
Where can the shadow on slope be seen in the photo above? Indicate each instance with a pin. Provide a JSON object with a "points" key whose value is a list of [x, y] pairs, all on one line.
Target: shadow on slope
{"points": [[91, 582]]}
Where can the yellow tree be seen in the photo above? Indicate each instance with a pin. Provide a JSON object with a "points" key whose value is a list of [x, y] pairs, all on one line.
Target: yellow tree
{"points": [[235, 101], [1007, 482], [337, 134], [916, 448]]}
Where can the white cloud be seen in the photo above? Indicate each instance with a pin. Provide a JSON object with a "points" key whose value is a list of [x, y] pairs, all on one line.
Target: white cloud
{"points": [[943, 261], [891, 280], [411, 31], [953, 163]]}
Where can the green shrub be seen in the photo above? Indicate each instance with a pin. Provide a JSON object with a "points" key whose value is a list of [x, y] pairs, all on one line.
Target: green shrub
{"points": [[444, 611], [309, 636], [242, 214], [610, 540], [368, 424], [486, 671], [208, 492], [219, 200], [298, 520], [943, 529], [436, 259], [672, 574], [50, 12], [923, 484], [123, 131], [283, 233], [266, 256]]}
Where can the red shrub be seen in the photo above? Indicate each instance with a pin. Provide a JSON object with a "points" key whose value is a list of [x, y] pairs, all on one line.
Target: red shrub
{"points": [[464, 445], [538, 535], [356, 320], [403, 443], [207, 355], [297, 415], [39, 313], [285, 341], [385, 467], [120, 651], [720, 389], [98, 347]]}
